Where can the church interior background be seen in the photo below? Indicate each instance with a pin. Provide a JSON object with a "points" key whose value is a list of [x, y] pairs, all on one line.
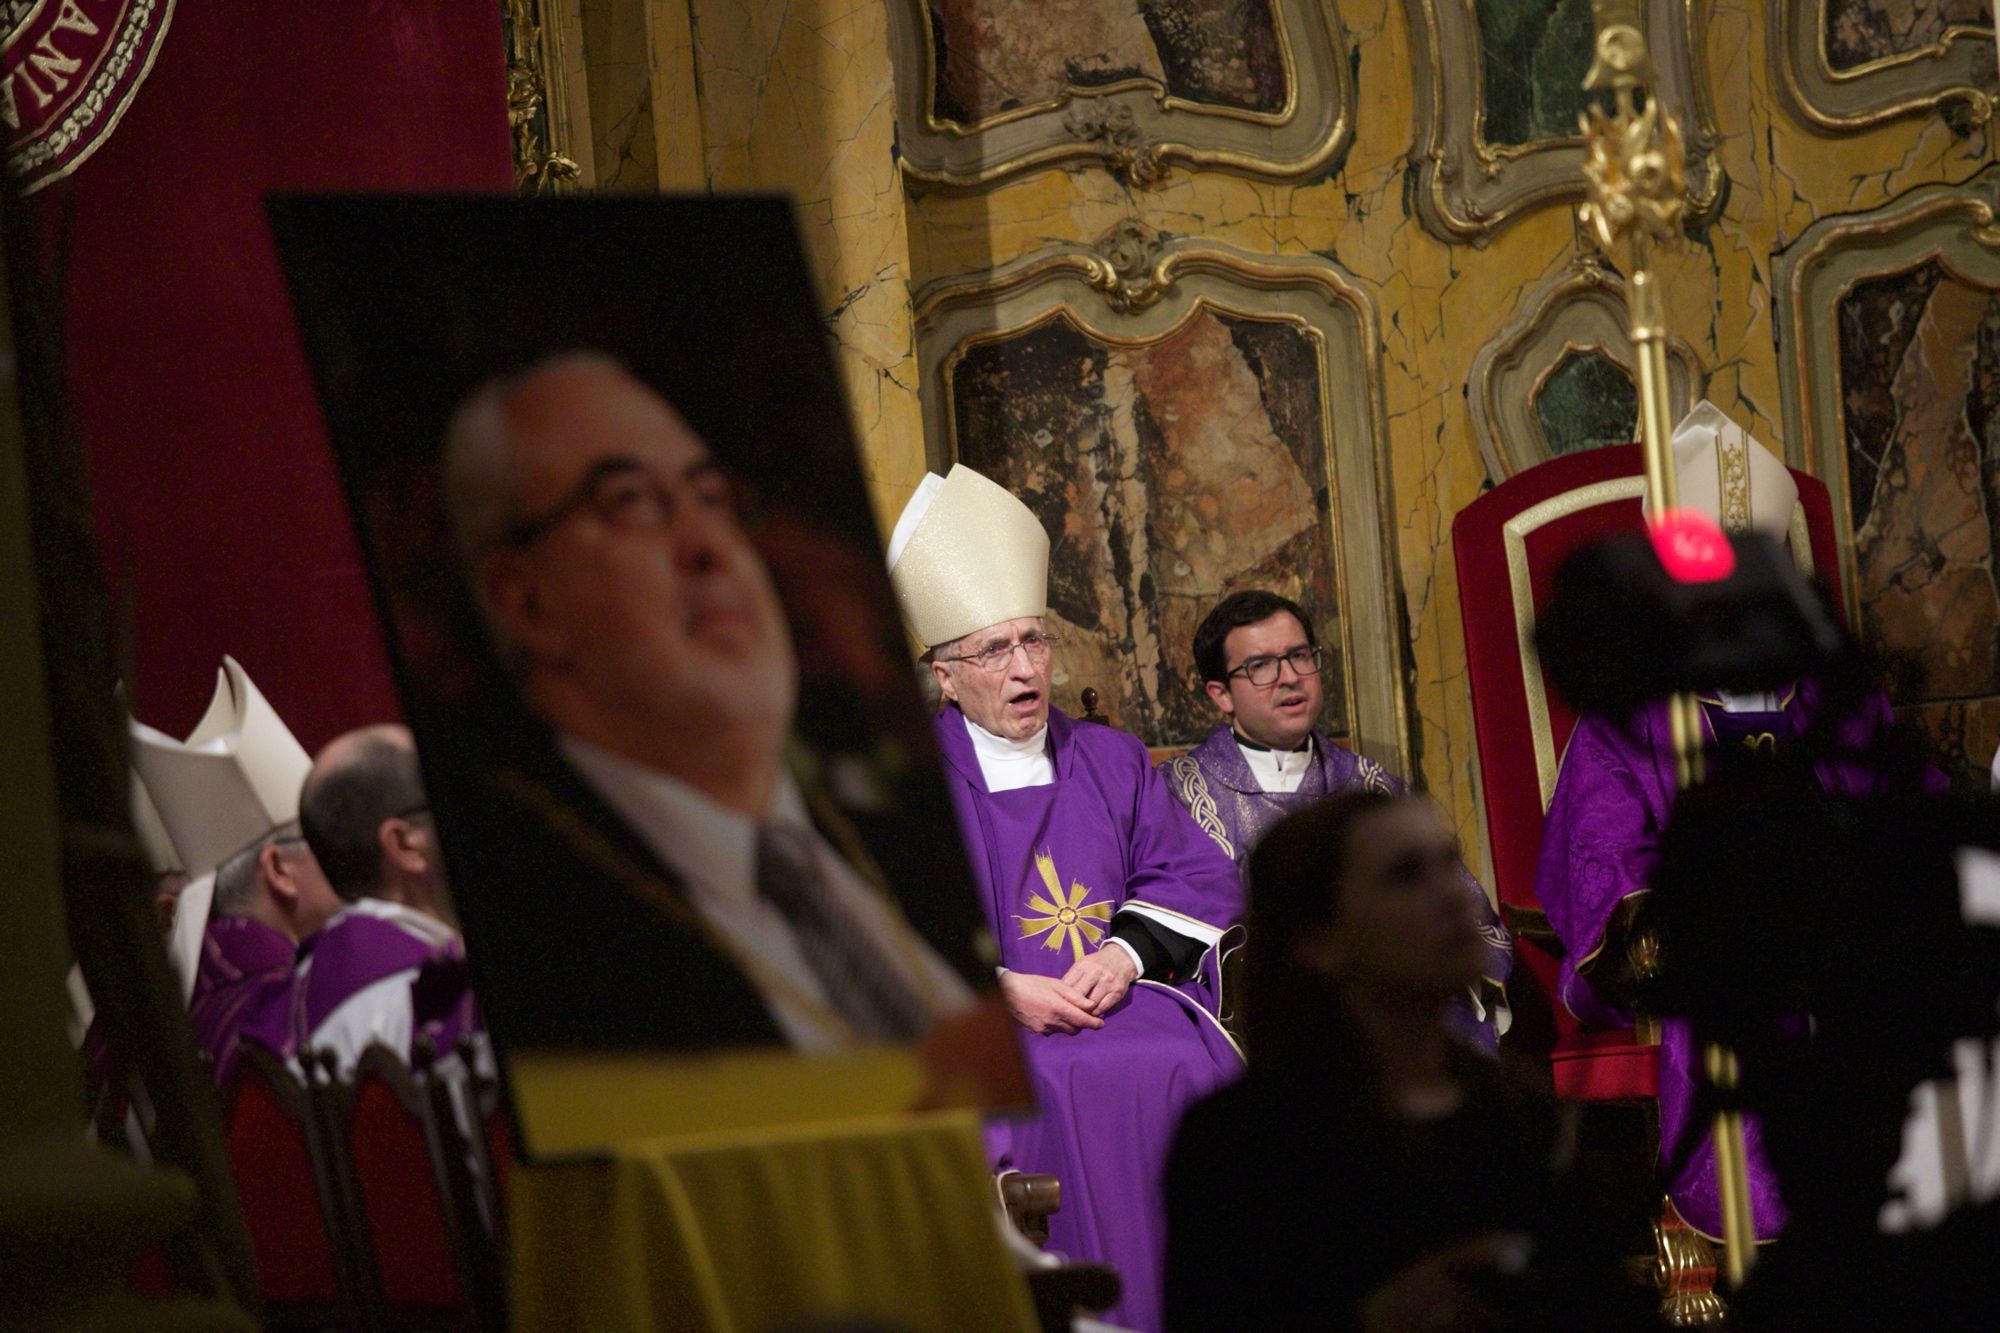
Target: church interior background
{"points": [[1208, 306]]}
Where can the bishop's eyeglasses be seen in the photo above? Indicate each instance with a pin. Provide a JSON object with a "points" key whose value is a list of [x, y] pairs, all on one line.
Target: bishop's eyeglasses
{"points": [[1263, 671], [995, 657]]}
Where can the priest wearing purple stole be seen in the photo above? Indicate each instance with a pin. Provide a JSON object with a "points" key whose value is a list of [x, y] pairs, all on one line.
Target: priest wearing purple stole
{"points": [[1106, 901], [389, 967], [1614, 793], [1260, 663]]}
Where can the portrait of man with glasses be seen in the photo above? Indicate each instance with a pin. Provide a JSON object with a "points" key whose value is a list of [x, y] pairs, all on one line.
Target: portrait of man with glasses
{"points": [[611, 559], [1260, 663]]}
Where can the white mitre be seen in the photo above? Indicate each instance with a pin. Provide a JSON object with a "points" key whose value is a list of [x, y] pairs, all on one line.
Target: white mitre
{"points": [[1723, 471], [967, 554], [234, 779], [161, 855]]}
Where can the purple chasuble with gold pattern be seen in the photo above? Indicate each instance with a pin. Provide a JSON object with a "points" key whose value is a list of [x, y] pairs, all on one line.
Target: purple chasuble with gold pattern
{"points": [[1216, 786], [1611, 801], [242, 991], [1053, 865]]}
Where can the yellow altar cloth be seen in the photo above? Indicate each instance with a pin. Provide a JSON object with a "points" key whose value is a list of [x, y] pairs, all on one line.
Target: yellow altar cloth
{"points": [[890, 1218]]}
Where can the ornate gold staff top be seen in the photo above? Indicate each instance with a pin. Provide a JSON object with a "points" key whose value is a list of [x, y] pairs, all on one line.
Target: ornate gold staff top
{"points": [[1635, 168]]}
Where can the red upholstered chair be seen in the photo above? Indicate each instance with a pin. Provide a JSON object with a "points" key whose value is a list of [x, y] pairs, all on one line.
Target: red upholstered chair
{"points": [[389, 1141], [1508, 544], [268, 1137]]}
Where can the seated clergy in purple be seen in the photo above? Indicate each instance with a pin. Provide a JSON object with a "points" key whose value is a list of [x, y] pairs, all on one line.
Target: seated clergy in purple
{"points": [[1616, 788], [1260, 663], [227, 797], [1106, 901], [389, 967]]}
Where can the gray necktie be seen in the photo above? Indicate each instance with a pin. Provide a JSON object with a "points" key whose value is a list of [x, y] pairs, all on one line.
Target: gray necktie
{"points": [[858, 979]]}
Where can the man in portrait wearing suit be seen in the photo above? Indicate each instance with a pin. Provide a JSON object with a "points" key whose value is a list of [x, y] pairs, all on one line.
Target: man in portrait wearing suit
{"points": [[692, 893]]}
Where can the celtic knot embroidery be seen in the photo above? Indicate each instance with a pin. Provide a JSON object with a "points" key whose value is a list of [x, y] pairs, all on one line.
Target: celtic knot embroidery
{"points": [[1373, 776], [1192, 789]]}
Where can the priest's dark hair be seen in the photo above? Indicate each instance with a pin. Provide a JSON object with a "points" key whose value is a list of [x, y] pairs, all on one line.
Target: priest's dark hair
{"points": [[1292, 1012], [345, 804], [1234, 612]]}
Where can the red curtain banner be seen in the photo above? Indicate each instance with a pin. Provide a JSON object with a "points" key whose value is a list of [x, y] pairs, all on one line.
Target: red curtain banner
{"points": [[214, 494]]}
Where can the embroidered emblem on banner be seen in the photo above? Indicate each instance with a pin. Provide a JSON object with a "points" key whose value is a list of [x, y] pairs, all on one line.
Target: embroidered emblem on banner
{"points": [[68, 70], [1066, 917]]}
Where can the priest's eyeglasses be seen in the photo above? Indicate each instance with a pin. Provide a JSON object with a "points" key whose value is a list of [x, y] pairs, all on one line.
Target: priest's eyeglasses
{"points": [[1263, 671], [1034, 643], [624, 493]]}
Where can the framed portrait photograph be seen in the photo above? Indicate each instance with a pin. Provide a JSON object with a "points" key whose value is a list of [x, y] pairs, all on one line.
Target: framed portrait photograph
{"points": [[605, 482]]}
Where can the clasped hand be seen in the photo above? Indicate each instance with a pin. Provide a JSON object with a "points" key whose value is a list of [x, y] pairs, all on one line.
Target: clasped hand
{"points": [[1093, 984]]}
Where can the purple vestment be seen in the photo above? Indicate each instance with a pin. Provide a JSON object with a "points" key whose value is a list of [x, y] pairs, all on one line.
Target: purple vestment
{"points": [[1598, 848], [242, 991], [367, 944], [1053, 865], [1214, 783]]}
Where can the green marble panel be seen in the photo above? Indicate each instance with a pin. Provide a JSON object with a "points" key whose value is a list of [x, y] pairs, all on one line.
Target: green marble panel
{"points": [[1588, 401], [1533, 55]]}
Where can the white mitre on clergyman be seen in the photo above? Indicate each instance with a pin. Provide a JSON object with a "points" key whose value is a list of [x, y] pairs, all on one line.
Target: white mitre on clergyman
{"points": [[1723, 471], [161, 855], [234, 779], [967, 554]]}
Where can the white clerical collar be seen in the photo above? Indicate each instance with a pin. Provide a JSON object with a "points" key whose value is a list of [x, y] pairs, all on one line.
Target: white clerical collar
{"points": [[420, 924], [1761, 701], [1276, 770], [1007, 765], [711, 842]]}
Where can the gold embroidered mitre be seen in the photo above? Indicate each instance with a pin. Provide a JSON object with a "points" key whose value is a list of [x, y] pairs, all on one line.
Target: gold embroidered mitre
{"points": [[1723, 471], [967, 554]]}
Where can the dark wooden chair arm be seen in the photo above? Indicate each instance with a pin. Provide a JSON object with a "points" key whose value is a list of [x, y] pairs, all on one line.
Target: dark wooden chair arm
{"points": [[1030, 1200]]}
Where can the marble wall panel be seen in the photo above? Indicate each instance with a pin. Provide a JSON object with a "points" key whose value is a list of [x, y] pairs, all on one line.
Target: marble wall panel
{"points": [[1920, 377], [1169, 473], [1532, 58], [1860, 32], [1848, 64], [1586, 402], [991, 89], [1499, 86], [989, 62]]}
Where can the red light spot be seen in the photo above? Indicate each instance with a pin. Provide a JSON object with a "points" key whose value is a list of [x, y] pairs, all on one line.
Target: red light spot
{"points": [[1691, 547]]}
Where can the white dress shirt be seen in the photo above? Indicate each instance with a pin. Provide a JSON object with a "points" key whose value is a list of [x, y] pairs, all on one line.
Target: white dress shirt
{"points": [[713, 849]]}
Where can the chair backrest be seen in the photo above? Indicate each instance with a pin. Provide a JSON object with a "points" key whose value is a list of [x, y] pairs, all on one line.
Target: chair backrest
{"points": [[270, 1150], [1507, 546], [393, 1146]]}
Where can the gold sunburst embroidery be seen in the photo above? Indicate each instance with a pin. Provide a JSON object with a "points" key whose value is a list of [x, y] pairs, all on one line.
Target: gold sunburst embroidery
{"points": [[1066, 918]]}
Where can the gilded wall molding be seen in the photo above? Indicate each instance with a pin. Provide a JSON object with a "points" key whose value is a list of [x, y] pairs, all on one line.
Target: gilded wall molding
{"points": [[1141, 290], [1958, 226], [1292, 115], [538, 102], [1469, 186], [1580, 308], [1953, 73]]}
